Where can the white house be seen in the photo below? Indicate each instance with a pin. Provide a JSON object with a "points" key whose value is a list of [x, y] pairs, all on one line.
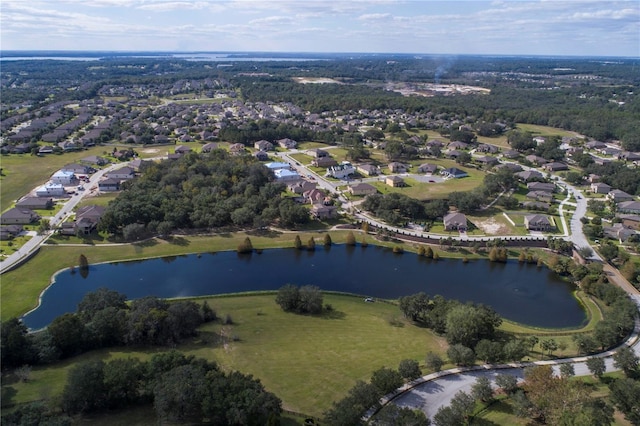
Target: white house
{"points": [[50, 190], [63, 177], [122, 173], [341, 170], [273, 166], [286, 175]]}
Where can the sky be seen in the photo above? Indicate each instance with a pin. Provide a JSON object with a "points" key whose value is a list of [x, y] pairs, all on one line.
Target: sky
{"points": [[507, 27]]}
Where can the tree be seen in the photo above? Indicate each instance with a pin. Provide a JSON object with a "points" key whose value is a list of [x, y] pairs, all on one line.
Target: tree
{"points": [[16, 346], [567, 370], [208, 314], [549, 345], [310, 301], [288, 297], [351, 239], [349, 410], [122, 380], [467, 324], [626, 360], [433, 361], [625, 394], [297, 243], [415, 307], [596, 366], [428, 253], [311, 244], [392, 415], [95, 301], [481, 389], [178, 394], [44, 226], [386, 380], [514, 350], [461, 355], [489, 351], [246, 246], [85, 390], [67, 332], [327, 240], [409, 369], [134, 232], [507, 382]]}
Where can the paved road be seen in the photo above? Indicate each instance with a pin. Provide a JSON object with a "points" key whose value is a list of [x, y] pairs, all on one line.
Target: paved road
{"points": [[36, 241]]}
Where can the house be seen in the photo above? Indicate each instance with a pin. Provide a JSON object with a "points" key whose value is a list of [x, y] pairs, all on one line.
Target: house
{"points": [[314, 196], [94, 160], [64, 177], [453, 154], [536, 205], [46, 149], [595, 145], [263, 145], [600, 188], [324, 162], [208, 147], [87, 218], [395, 181], [453, 173], [261, 155], [618, 231], [629, 207], [273, 166], [541, 186], [489, 149], [486, 160], [78, 169], [300, 187], [455, 222], [341, 170], [511, 154], [287, 143], [368, 169], [630, 220], [618, 196], [236, 148], [362, 189], [9, 232], [35, 203], [540, 196], [529, 175], [123, 173], [537, 222], [396, 167], [457, 145], [51, 190], [318, 153], [629, 156], [321, 211], [181, 149], [610, 151], [18, 216], [286, 175], [428, 168], [512, 167], [555, 166], [109, 184], [536, 160]]}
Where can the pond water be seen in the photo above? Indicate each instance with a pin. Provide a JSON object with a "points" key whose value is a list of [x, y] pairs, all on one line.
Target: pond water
{"points": [[522, 293]]}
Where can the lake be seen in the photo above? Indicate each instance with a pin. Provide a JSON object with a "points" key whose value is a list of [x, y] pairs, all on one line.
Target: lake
{"points": [[518, 292]]}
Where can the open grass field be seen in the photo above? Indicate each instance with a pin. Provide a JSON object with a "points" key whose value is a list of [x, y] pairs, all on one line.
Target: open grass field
{"points": [[308, 361], [537, 130]]}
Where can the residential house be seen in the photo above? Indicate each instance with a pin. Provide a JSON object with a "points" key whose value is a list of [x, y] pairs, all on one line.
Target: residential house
{"points": [[593, 178], [263, 145], [486, 160], [453, 173], [64, 177], [600, 188], [614, 152], [181, 149], [630, 220], [595, 145], [318, 153], [300, 187], [123, 173], [35, 203], [536, 205], [78, 169], [536, 160], [618, 231], [321, 211], [273, 166], [453, 154], [8, 232], [512, 167], [287, 143], [489, 149], [428, 168], [109, 184], [87, 218], [362, 189], [314, 196], [455, 221], [541, 186], [261, 155], [457, 145], [208, 147], [236, 148], [395, 181], [324, 162], [94, 160], [368, 169], [511, 154], [51, 190], [46, 149], [18, 216], [537, 222], [629, 156], [540, 196], [618, 196], [341, 171], [629, 207], [529, 175], [555, 166], [286, 175], [395, 167]]}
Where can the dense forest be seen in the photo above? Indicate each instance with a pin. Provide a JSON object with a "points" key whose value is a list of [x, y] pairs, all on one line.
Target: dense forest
{"points": [[201, 191]]}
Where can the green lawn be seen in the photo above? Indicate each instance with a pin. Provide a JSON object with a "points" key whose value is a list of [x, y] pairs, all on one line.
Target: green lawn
{"points": [[307, 361], [537, 130]]}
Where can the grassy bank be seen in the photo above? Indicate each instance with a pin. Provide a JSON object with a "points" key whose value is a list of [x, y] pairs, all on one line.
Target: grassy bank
{"points": [[307, 361]]}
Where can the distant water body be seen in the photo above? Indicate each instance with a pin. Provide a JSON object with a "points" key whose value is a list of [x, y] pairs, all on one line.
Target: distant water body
{"points": [[519, 292], [204, 57]]}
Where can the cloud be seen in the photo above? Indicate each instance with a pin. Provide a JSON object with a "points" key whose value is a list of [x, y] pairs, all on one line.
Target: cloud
{"points": [[168, 6], [273, 20], [373, 16]]}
